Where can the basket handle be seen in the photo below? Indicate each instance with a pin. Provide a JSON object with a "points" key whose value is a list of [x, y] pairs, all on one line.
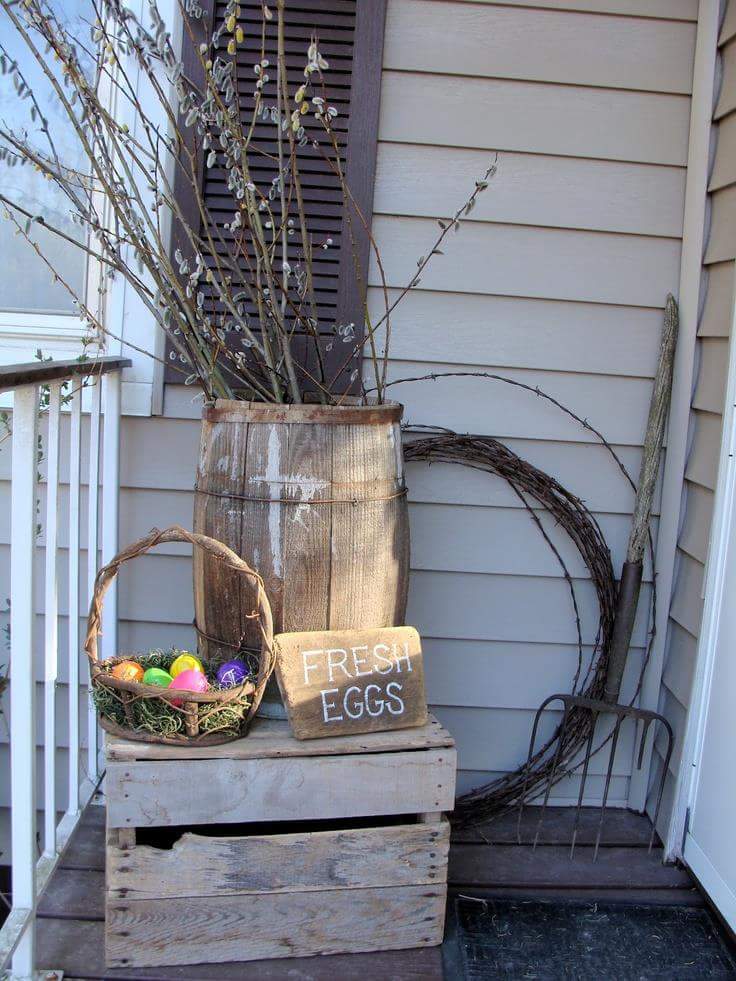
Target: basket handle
{"points": [[176, 533]]}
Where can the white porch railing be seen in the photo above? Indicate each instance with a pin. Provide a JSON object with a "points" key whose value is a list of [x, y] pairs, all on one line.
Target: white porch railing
{"points": [[33, 863]]}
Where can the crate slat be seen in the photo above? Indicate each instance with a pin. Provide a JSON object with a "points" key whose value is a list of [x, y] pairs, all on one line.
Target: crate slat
{"points": [[250, 927], [197, 866], [272, 738], [164, 793]]}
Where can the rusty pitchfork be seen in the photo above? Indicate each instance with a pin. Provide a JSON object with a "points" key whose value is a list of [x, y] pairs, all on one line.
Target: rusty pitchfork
{"points": [[626, 605]]}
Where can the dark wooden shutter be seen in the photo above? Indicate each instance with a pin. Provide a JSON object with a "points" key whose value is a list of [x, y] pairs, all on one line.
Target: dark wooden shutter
{"points": [[350, 34]]}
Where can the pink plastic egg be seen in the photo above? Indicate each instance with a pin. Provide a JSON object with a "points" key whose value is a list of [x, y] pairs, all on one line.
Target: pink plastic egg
{"points": [[189, 681]]}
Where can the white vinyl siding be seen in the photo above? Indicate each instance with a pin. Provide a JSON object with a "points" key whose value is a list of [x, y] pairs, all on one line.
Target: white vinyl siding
{"points": [[706, 413], [670, 9]]}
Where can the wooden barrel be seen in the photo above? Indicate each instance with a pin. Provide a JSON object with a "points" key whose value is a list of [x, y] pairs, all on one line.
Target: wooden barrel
{"points": [[313, 497]]}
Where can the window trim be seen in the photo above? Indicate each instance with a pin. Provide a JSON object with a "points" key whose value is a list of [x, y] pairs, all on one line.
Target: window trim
{"points": [[27, 332], [16, 323]]}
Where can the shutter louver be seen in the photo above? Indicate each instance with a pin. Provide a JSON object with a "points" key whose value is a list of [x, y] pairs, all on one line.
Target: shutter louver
{"points": [[350, 34]]}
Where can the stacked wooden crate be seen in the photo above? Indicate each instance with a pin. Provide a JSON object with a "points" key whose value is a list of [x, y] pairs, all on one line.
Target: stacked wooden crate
{"points": [[353, 857]]}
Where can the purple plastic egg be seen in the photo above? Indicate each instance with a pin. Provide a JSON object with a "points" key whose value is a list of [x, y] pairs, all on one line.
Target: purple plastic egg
{"points": [[232, 673]]}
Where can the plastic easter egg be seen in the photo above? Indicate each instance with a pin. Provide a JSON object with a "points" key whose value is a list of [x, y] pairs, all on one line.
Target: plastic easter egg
{"points": [[232, 673], [157, 676], [185, 662], [190, 681], [128, 671]]}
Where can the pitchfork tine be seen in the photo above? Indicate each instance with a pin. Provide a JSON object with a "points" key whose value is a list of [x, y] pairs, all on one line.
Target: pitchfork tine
{"points": [[584, 777], [551, 778], [609, 773], [532, 741], [644, 731], [663, 778]]}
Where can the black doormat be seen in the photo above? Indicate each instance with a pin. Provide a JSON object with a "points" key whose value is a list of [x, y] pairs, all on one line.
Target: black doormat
{"points": [[557, 941]]}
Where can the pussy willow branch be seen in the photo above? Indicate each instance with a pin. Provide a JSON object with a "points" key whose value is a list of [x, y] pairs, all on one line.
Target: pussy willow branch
{"points": [[99, 156], [312, 319], [69, 239], [350, 203], [37, 108], [362, 281], [98, 173], [264, 256], [81, 305], [452, 223], [82, 87], [283, 233], [207, 291], [446, 226]]}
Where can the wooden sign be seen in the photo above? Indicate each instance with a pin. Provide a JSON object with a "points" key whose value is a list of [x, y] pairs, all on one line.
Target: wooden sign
{"points": [[338, 682]]}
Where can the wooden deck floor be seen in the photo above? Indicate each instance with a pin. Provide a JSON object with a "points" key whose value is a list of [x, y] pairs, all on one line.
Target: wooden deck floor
{"points": [[485, 861]]}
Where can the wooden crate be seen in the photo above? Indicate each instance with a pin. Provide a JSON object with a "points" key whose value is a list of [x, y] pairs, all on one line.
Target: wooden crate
{"points": [[361, 865]]}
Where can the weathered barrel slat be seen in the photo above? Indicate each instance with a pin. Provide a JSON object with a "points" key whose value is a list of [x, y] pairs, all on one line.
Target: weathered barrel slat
{"points": [[216, 587], [308, 525], [367, 537]]}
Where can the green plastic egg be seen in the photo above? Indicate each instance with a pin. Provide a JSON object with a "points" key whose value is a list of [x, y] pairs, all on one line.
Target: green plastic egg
{"points": [[157, 676]]}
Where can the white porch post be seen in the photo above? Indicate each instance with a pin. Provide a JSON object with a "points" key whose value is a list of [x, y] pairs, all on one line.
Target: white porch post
{"points": [[22, 701], [51, 623], [75, 445], [93, 488], [111, 507]]}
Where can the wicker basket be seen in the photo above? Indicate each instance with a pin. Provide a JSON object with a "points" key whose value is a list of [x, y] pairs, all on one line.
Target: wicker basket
{"points": [[197, 710]]}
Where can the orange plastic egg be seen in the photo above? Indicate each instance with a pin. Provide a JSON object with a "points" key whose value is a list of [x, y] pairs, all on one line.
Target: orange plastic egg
{"points": [[128, 671]]}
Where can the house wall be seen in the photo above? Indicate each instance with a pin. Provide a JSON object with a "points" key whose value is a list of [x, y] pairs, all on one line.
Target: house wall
{"points": [[558, 279], [706, 412]]}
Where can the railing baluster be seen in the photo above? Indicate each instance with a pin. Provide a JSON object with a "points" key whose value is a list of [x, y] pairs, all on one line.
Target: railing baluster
{"points": [[22, 701], [92, 544], [111, 507], [51, 622], [75, 462]]}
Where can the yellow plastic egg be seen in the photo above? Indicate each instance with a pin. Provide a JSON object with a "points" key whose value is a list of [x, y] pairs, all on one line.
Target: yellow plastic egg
{"points": [[128, 671], [185, 662]]}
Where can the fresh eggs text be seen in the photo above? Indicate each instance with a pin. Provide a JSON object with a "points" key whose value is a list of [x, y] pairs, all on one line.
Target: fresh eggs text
{"points": [[338, 664]]}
